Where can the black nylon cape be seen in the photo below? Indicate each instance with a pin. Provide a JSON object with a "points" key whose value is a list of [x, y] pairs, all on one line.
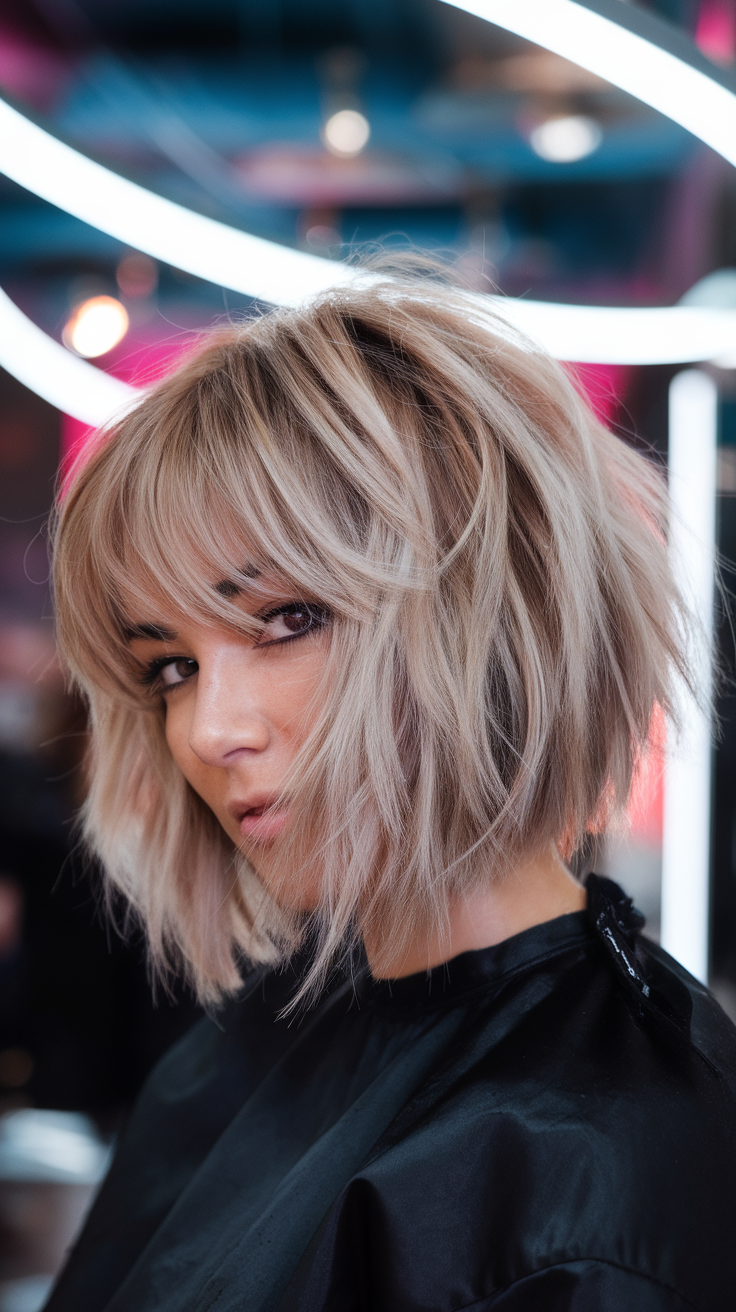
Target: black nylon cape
{"points": [[547, 1125]]}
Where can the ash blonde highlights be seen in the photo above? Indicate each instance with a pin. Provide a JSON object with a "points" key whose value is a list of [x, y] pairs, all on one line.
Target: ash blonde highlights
{"points": [[505, 619]]}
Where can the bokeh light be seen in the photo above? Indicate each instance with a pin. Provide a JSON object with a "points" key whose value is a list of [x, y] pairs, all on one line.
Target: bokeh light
{"points": [[96, 326], [566, 139], [346, 132], [137, 275]]}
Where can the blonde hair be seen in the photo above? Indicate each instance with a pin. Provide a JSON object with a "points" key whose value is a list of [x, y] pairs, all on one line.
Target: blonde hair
{"points": [[504, 616]]}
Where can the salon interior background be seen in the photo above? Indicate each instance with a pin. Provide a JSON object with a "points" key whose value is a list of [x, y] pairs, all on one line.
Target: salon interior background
{"points": [[322, 125]]}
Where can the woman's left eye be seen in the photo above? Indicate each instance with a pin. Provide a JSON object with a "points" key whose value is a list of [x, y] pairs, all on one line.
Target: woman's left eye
{"points": [[177, 671], [291, 621], [168, 672]]}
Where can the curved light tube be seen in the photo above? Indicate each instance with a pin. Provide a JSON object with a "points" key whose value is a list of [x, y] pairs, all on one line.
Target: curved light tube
{"points": [[626, 46], [632, 50], [59, 376], [596, 334], [169, 232], [587, 334]]}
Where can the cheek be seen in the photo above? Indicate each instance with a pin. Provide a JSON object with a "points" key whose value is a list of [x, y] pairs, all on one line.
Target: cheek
{"points": [[176, 730], [178, 721], [298, 702]]}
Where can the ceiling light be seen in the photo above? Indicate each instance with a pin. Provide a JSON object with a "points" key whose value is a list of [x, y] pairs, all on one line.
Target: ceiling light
{"points": [[323, 234], [679, 85], [346, 132], [565, 139], [631, 49], [96, 326], [160, 228]]}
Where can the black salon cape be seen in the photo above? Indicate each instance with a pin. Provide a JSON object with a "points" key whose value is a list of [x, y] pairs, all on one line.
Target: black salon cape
{"points": [[547, 1124]]}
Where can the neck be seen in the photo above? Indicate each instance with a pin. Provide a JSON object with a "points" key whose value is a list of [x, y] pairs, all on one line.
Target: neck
{"points": [[532, 893]]}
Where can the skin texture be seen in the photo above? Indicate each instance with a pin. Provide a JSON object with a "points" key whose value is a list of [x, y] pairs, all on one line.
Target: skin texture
{"points": [[237, 712]]}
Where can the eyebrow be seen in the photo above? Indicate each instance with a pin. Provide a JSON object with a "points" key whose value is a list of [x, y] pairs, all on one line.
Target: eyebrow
{"points": [[229, 588], [158, 633], [154, 631]]}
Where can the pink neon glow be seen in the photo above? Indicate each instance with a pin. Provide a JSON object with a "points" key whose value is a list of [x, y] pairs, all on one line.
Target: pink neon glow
{"points": [[603, 385], [140, 360], [647, 793], [31, 72], [715, 33]]}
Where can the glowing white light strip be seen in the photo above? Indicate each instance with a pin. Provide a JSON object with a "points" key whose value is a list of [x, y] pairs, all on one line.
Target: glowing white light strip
{"points": [[54, 373], [583, 333], [594, 334], [60, 174], [251, 265], [686, 846], [608, 48], [40, 162]]}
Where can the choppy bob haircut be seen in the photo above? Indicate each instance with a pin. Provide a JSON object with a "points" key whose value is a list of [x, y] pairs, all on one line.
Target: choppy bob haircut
{"points": [[504, 619]]}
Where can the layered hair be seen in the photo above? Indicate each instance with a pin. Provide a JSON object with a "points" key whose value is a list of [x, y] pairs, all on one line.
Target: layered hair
{"points": [[504, 618]]}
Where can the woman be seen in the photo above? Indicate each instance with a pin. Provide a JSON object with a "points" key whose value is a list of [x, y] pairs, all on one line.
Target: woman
{"points": [[372, 616]]}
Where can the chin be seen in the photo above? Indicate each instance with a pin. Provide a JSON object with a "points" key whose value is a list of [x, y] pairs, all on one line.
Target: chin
{"points": [[300, 895]]}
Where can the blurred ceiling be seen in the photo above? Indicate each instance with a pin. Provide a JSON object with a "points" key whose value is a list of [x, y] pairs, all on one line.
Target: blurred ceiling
{"points": [[222, 105]]}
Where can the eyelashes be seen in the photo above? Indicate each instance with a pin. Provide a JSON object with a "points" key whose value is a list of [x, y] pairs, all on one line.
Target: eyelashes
{"points": [[307, 617], [287, 623], [152, 675]]}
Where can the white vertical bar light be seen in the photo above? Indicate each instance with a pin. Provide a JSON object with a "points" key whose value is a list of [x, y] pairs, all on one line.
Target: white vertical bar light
{"points": [[693, 427]]}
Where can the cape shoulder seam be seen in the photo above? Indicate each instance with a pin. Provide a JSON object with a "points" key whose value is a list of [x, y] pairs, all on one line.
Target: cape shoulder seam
{"points": [[487, 1301]]}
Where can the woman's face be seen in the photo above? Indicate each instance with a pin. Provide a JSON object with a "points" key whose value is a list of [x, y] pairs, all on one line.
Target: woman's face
{"points": [[238, 710]]}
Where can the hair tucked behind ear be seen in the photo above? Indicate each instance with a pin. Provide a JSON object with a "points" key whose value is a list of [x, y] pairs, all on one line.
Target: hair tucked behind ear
{"points": [[505, 619]]}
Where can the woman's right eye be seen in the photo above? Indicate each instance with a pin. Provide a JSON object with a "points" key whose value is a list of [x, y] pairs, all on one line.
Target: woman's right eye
{"points": [[171, 673]]}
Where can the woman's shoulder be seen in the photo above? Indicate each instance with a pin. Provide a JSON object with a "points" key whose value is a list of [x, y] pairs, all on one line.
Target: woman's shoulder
{"points": [[589, 1143], [711, 1032]]}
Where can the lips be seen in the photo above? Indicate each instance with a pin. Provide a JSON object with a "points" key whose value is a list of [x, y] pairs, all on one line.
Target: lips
{"points": [[263, 820]]}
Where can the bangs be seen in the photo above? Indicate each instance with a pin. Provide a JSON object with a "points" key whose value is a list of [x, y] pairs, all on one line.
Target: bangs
{"points": [[186, 513], [495, 562]]}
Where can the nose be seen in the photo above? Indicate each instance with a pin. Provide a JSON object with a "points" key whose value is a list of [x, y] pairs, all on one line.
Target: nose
{"points": [[227, 717]]}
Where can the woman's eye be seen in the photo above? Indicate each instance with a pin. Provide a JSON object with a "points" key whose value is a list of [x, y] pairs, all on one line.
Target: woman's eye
{"points": [[176, 671], [291, 622]]}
